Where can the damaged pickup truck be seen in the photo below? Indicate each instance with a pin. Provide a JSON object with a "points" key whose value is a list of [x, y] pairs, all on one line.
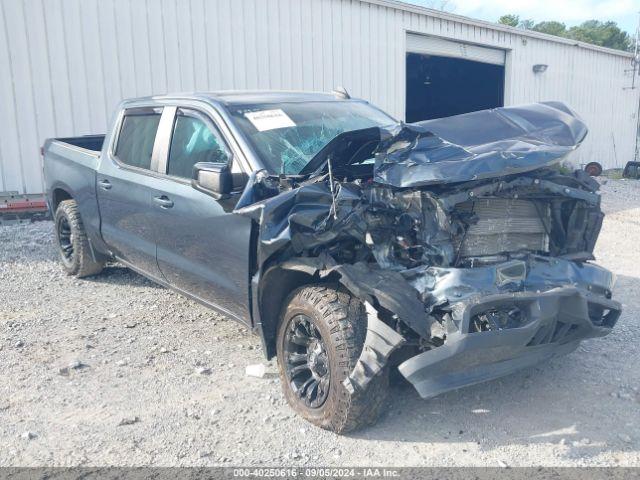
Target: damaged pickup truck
{"points": [[455, 249]]}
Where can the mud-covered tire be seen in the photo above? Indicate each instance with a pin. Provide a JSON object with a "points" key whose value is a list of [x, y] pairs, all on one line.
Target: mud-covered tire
{"points": [[341, 321], [73, 245]]}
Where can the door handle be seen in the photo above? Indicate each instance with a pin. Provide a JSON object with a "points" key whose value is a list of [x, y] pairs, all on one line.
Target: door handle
{"points": [[105, 184], [163, 201]]}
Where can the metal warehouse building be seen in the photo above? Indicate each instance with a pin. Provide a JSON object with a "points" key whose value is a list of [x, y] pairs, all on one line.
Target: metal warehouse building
{"points": [[65, 64]]}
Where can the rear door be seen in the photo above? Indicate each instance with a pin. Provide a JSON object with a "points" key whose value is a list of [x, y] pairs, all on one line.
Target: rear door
{"points": [[124, 185], [202, 247]]}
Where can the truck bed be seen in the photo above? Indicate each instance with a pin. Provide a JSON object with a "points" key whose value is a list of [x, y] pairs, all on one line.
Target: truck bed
{"points": [[88, 142], [59, 153]]}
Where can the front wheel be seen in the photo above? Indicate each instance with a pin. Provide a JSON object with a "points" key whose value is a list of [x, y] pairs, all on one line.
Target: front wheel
{"points": [[320, 338], [73, 243]]}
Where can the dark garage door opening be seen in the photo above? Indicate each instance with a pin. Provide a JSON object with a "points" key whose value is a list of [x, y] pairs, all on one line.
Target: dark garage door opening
{"points": [[443, 86]]}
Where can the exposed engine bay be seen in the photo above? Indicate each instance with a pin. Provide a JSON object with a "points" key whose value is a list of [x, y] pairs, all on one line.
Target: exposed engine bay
{"points": [[465, 239]]}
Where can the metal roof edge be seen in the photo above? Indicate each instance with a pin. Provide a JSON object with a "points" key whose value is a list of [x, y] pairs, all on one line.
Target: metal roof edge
{"points": [[407, 7]]}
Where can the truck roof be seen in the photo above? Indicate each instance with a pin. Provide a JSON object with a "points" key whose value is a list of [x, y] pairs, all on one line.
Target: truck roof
{"points": [[242, 97]]}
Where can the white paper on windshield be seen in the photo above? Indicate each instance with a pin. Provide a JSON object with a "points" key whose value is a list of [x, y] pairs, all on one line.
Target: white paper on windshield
{"points": [[265, 120]]}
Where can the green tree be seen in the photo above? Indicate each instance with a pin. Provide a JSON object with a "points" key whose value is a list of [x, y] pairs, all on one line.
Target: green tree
{"points": [[606, 34], [526, 24], [551, 27], [514, 21], [511, 20]]}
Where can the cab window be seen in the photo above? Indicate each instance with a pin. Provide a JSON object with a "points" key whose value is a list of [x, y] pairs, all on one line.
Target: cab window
{"points": [[137, 136], [194, 140]]}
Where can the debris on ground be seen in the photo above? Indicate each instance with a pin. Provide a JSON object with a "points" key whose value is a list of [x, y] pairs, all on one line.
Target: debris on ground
{"points": [[128, 421], [258, 370]]}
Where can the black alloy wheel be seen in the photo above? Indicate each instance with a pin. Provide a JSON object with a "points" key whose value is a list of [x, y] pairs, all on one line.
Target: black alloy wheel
{"points": [[65, 239], [307, 362]]}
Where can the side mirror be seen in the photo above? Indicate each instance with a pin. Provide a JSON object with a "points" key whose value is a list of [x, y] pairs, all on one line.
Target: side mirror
{"points": [[214, 179]]}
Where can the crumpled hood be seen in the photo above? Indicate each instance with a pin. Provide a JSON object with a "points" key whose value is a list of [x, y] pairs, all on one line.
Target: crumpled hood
{"points": [[472, 146], [489, 143]]}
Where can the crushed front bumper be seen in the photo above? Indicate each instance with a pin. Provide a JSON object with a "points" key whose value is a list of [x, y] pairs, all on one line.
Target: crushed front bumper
{"points": [[553, 323]]}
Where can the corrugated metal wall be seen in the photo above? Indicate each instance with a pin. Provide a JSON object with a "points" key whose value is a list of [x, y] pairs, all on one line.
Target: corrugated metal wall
{"points": [[65, 64]]}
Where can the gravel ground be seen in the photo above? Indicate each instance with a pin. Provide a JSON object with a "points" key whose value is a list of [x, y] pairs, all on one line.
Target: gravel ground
{"points": [[117, 371]]}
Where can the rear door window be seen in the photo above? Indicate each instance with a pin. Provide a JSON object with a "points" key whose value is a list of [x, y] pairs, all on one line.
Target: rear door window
{"points": [[194, 140], [137, 137]]}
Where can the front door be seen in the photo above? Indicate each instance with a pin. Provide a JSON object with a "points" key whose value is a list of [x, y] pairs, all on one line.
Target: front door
{"points": [[202, 248]]}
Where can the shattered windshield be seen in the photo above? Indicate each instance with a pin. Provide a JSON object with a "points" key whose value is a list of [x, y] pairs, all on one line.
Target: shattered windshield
{"points": [[288, 135]]}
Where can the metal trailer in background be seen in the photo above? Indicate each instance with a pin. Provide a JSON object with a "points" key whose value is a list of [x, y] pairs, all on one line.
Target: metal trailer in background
{"points": [[68, 63], [21, 208]]}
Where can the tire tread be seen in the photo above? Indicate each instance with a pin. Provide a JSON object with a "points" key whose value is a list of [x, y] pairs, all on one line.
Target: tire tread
{"points": [[345, 317], [83, 264]]}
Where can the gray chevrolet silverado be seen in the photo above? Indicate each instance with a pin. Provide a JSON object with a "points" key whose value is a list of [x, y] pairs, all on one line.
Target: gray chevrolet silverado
{"points": [[456, 249]]}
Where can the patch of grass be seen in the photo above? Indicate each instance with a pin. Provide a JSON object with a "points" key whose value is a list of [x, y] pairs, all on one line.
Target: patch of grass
{"points": [[613, 173], [565, 168]]}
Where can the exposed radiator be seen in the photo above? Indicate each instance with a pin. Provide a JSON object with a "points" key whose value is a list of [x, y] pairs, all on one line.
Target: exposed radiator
{"points": [[504, 225]]}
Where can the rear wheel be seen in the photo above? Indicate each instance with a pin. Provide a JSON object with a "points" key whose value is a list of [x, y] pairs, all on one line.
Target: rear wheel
{"points": [[73, 244], [320, 338]]}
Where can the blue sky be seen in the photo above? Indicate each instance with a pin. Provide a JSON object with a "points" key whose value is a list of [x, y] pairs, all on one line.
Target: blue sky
{"points": [[571, 12]]}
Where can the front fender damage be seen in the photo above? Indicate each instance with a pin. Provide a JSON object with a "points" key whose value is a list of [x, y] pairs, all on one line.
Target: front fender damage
{"points": [[387, 289], [381, 341]]}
